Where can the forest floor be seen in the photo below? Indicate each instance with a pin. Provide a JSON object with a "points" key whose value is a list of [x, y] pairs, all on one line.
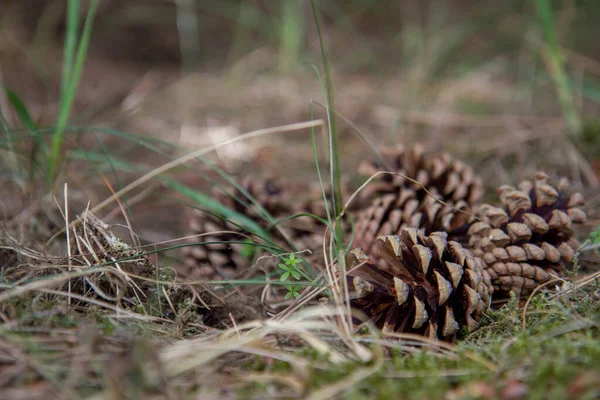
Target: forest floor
{"points": [[64, 330]]}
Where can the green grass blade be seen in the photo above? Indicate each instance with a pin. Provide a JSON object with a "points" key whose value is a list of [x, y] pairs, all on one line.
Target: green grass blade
{"points": [[73, 7], [74, 74], [292, 32], [316, 158], [555, 64], [262, 212], [95, 158], [335, 171], [29, 124], [21, 110], [294, 216], [8, 134], [218, 208]]}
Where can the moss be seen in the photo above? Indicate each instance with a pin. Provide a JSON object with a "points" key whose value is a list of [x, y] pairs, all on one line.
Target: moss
{"points": [[546, 358]]}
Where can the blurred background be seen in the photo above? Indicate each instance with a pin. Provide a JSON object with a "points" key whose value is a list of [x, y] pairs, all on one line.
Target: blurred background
{"points": [[509, 86]]}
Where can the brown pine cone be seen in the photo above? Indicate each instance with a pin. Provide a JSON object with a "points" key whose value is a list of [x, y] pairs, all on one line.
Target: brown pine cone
{"points": [[396, 202], [530, 237], [216, 260], [431, 287], [452, 179]]}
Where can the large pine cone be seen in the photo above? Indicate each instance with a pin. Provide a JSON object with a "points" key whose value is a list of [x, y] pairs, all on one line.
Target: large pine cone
{"points": [[431, 287], [394, 202], [528, 239], [216, 260]]}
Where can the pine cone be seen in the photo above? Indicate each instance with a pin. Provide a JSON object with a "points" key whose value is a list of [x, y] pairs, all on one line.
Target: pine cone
{"points": [[452, 179], [396, 202], [218, 260], [431, 287], [528, 239]]}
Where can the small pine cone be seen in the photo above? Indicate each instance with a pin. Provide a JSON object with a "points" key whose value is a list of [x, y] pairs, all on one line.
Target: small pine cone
{"points": [[432, 287], [530, 237], [217, 260], [396, 202]]}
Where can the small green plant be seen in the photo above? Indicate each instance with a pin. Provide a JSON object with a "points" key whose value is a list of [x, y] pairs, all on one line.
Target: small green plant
{"points": [[292, 291], [290, 267]]}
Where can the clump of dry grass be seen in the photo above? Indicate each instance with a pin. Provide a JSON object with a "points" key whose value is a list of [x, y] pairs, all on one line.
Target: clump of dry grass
{"points": [[98, 270]]}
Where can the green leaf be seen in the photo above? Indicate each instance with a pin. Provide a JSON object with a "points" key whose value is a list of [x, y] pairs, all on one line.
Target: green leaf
{"points": [[285, 276], [295, 274]]}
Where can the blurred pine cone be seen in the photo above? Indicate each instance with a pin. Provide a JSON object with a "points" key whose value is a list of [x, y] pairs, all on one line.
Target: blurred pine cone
{"points": [[530, 237], [431, 287], [394, 202], [218, 260]]}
